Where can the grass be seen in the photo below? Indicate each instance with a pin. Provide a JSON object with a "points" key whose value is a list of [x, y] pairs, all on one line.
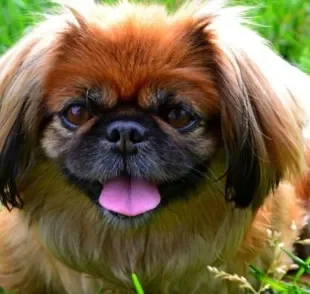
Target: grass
{"points": [[137, 285], [285, 23], [275, 280]]}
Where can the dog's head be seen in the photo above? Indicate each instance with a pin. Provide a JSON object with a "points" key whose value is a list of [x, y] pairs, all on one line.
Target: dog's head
{"points": [[136, 107]]}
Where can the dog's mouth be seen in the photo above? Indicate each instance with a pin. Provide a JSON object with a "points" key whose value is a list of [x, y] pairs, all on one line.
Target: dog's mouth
{"points": [[129, 197]]}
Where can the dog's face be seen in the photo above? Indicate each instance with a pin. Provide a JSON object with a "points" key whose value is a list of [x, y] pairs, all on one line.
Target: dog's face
{"points": [[133, 117], [135, 110]]}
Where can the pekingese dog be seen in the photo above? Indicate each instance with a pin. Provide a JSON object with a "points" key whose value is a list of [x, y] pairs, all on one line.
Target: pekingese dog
{"points": [[138, 141]]}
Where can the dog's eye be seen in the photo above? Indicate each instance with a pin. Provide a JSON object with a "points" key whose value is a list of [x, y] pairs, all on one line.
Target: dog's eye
{"points": [[179, 118], [77, 115]]}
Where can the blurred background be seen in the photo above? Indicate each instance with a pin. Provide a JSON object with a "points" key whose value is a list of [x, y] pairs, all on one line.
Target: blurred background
{"points": [[285, 23]]}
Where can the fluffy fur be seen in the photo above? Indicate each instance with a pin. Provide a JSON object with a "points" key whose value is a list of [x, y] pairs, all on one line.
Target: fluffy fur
{"points": [[252, 141]]}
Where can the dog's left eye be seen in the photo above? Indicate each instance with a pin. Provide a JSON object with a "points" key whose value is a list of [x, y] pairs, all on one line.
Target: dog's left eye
{"points": [[76, 115], [180, 118]]}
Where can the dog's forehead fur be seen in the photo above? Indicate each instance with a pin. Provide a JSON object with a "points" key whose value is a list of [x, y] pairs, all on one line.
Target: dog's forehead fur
{"points": [[132, 55]]}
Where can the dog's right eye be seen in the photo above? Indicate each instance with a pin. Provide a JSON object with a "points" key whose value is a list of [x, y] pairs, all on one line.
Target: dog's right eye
{"points": [[76, 116]]}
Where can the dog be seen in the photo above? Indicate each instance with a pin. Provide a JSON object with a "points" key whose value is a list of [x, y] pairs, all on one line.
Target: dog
{"points": [[137, 141]]}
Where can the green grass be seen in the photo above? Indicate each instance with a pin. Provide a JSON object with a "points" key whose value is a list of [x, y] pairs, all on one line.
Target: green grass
{"points": [[15, 17], [285, 23], [137, 285]]}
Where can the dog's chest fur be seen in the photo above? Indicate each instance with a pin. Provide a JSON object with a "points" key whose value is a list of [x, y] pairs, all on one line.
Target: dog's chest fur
{"points": [[179, 268]]}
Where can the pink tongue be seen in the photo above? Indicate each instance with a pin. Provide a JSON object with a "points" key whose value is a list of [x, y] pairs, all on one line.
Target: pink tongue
{"points": [[129, 197]]}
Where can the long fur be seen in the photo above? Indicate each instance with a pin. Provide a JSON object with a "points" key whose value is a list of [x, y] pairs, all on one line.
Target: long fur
{"points": [[52, 239]]}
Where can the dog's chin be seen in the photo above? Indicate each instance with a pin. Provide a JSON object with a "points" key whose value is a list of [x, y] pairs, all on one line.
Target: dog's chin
{"points": [[117, 219], [180, 189]]}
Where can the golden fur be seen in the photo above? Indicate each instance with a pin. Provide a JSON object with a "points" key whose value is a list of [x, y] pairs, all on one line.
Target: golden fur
{"points": [[59, 242]]}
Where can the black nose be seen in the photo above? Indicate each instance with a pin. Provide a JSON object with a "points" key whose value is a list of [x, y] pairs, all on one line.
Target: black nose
{"points": [[126, 135]]}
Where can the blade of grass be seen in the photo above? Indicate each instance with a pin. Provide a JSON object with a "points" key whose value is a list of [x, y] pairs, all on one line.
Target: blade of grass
{"points": [[301, 271], [279, 286], [276, 285], [137, 284], [298, 261]]}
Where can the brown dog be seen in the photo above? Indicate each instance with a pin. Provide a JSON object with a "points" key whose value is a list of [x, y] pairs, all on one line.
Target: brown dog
{"points": [[134, 141]]}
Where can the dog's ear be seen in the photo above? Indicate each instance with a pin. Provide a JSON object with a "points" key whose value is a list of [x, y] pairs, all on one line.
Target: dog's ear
{"points": [[259, 95], [22, 74], [22, 71]]}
